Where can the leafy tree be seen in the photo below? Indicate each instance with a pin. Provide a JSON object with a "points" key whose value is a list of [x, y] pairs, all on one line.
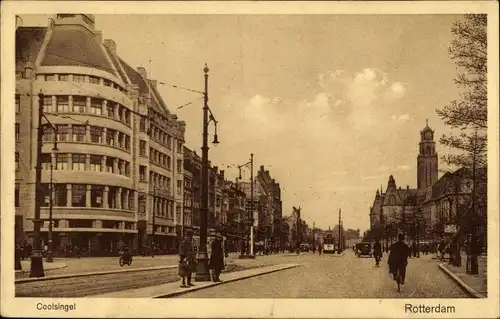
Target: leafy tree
{"points": [[469, 113]]}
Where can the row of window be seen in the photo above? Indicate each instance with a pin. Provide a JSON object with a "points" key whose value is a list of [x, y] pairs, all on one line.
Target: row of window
{"points": [[79, 195], [161, 207], [158, 135], [78, 133], [80, 78], [78, 104], [158, 180], [96, 163]]}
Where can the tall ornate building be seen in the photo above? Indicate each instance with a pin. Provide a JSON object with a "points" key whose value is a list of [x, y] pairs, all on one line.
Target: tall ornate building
{"points": [[393, 209], [427, 159], [120, 149]]}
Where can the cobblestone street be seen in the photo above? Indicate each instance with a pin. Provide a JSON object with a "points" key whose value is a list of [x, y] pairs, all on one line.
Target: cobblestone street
{"points": [[340, 277]]}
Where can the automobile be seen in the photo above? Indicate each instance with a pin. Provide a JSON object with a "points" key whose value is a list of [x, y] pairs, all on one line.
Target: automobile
{"points": [[364, 249]]}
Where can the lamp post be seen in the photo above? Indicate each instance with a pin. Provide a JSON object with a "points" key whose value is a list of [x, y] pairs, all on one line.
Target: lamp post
{"points": [[36, 269], [50, 257], [251, 217], [154, 220], [50, 254], [202, 271], [340, 232]]}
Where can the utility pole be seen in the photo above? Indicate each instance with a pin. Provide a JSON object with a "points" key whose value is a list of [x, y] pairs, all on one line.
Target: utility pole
{"points": [[314, 233], [340, 231], [474, 267], [50, 257], [36, 269], [298, 231], [251, 206], [154, 220]]}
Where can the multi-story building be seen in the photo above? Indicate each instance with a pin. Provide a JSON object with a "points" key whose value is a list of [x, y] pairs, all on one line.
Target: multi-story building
{"points": [[118, 143], [237, 216], [271, 206], [192, 167]]}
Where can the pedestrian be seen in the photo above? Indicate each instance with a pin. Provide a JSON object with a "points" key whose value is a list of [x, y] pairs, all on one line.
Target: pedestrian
{"points": [[29, 249], [22, 251], [377, 251], [187, 258], [217, 258], [320, 249]]}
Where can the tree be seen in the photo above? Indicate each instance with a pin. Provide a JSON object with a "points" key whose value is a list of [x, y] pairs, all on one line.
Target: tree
{"points": [[469, 114]]}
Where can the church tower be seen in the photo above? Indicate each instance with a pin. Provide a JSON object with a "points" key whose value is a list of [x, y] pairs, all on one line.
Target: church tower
{"points": [[427, 160]]}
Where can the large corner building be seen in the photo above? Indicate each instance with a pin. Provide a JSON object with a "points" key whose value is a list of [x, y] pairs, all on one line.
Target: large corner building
{"points": [[118, 175]]}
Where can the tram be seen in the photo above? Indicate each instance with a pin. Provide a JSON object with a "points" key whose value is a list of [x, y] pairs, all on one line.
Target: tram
{"points": [[328, 244]]}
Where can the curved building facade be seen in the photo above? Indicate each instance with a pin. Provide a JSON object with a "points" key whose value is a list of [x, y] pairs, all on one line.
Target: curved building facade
{"points": [[117, 175]]}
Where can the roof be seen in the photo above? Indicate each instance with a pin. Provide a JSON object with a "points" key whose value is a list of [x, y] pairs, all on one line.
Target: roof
{"points": [[117, 62], [75, 47], [135, 77], [28, 43], [158, 101]]}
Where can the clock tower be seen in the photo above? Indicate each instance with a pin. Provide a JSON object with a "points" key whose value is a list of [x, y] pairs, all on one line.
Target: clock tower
{"points": [[427, 160]]}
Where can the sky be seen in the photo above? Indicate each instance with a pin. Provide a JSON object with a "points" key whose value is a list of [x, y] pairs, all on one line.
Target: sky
{"points": [[331, 105]]}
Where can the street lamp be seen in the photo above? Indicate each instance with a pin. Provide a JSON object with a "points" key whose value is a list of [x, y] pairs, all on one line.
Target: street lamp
{"points": [[202, 271], [36, 269], [50, 254], [252, 255]]}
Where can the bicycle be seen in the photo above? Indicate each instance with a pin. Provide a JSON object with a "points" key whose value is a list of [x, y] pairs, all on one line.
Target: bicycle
{"points": [[398, 278]]}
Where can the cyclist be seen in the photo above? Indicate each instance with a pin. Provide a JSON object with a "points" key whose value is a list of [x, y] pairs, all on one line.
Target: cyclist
{"points": [[398, 258], [377, 251]]}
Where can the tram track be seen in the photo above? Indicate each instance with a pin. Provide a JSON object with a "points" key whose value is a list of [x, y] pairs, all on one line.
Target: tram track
{"points": [[100, 284]]}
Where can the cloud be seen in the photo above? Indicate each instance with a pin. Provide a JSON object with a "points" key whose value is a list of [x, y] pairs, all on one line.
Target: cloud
{"points": [[361, 100], [402, 117], [403, 168]]}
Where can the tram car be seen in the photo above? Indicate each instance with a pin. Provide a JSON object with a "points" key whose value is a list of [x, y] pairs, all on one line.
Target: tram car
{"points": [[328, 244]]}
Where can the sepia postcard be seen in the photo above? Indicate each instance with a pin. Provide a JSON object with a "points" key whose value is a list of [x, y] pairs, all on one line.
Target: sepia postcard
{"points": [[250, 159]]}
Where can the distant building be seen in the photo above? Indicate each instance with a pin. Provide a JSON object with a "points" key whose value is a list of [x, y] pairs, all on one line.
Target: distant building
{"points": [[433, 210]]}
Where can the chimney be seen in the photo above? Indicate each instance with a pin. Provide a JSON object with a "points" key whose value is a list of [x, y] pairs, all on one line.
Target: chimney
{"points": [[262, 168], [142, 71], [28, 70], [399, 187], [407, 186], [216, 168], [98, 36], [222, 173], [111, 45]]}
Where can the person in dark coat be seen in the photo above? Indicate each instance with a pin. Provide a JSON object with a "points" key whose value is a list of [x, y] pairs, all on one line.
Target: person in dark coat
{"points": [[377, 251], [217, 258], [398, 258], [187, 259]]}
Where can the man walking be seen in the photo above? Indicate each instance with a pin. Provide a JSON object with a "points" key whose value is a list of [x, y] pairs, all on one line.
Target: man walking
{"points": [[377, 251], [217, 258], [187, 256]]}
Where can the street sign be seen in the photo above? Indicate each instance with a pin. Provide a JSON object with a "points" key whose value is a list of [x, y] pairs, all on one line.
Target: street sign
{"points": [[255, 219]]}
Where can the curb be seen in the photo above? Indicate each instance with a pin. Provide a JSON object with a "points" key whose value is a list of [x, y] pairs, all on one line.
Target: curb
{"points": [[20, 271], [94, 273], [195, 288], [473, 293]]}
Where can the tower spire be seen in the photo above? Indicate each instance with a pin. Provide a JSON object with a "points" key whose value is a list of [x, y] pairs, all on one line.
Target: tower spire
{"points": [[426, 122]]}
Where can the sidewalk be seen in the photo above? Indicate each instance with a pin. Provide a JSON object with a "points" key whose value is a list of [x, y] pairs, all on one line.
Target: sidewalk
{"points": [[476, 285], [96, 264], [62, 267], [172, 289]]}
